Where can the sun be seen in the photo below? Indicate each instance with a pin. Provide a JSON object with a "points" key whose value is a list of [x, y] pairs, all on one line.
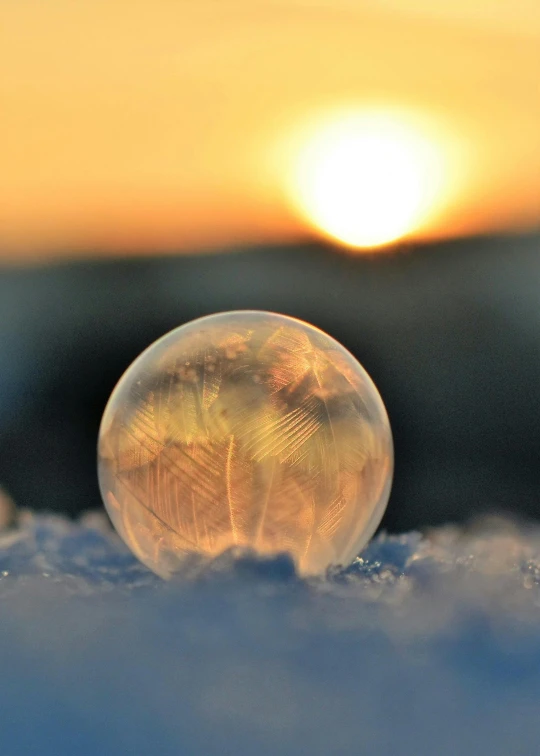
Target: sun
{"points": [[368, 178]]}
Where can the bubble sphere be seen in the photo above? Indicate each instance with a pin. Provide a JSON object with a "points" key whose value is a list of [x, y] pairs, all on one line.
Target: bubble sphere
{"points": [[246, 429]]}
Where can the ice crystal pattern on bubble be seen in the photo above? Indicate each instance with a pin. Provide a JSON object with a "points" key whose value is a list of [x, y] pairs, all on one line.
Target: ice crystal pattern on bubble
{"points": [[245, 429]]}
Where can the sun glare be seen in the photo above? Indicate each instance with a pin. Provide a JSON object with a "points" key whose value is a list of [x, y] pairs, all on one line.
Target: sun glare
{"points": [[368, 178]]}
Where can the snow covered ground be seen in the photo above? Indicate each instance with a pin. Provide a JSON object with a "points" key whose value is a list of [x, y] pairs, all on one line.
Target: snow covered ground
{"points": [[425, 645]]}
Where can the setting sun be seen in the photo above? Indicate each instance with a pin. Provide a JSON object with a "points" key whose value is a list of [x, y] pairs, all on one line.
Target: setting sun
{"points": [[369, 178], [184, 126]]}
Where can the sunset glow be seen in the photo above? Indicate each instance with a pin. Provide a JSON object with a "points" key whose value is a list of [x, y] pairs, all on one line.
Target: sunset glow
{"points": [[133, 127], [369, 178]]}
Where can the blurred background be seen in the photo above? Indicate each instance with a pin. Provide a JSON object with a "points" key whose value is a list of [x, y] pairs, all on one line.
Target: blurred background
{"points": [[370, 167]]}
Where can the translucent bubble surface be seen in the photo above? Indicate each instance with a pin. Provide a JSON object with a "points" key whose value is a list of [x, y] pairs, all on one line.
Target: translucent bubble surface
{"points": [[246, 429]]}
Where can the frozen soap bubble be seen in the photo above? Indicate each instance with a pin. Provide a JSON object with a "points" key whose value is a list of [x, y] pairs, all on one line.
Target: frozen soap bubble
{"points": [[246, 429]]}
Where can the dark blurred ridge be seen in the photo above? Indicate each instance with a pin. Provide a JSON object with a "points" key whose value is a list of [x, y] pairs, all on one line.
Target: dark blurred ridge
{"points": [[450, 333]]}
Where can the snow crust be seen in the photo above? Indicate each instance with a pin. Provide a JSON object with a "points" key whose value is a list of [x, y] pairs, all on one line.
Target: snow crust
{"points": [[424, 645]]}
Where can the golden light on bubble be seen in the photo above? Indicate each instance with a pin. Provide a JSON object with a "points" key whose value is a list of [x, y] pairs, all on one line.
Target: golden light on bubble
{"points": [[245, 429], [369, 177]]}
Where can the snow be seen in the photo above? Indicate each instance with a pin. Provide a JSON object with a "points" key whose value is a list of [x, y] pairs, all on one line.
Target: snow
{"points": [[424, 645]]}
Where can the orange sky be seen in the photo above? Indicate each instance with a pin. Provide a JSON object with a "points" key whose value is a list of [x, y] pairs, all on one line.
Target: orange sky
{"points": [[157, 123]]}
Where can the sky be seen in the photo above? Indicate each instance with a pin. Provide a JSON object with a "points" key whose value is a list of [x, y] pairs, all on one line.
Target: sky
{"points": [[181, 125]]}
